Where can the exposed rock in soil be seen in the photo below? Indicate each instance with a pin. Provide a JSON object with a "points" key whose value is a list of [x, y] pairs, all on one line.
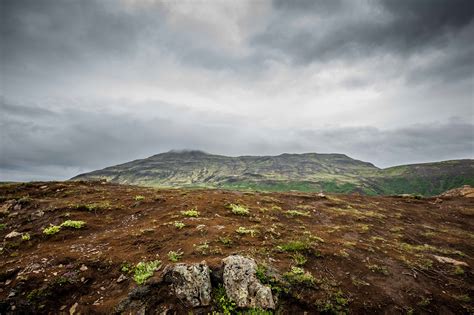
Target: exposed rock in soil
{"points": [[449, 260], [5, 208], [190, 283], [13, 234], [242, 285], [464, 191]]}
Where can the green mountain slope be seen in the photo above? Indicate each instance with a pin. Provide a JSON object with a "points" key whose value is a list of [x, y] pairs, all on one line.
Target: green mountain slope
{"points": [[303, 172]]}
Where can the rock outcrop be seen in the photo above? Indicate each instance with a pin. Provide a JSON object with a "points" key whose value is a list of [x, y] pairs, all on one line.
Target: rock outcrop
{"points": [[464, 191], [242, 286], [190, 283]]}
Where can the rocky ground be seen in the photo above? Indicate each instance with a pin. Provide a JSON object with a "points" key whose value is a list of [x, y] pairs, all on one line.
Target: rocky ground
{"points": [[95, 248]]}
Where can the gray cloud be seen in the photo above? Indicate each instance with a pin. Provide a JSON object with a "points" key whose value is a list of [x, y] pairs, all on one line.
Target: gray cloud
{"points": [[71, 141], [87, 83], [341, 30]]}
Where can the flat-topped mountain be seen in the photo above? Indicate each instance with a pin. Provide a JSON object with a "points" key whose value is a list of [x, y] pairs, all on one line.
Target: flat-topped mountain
{"points": [[303, 172]]}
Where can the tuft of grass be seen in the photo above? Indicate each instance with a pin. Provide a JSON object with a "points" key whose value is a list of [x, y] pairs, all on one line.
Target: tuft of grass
{"points": [[203, 248], [336, 304], [96, 206], [144, 270], [380, 269], [126, 267], [26, 237], [425, 302], [458, 271], [223, 303], [244, 231], [297, 213], [179, 225], [2, 226], [364, 227], [298, 276], [174, 256], [462, 298], [429, 248], [73, 224], [299, 259], [239, 209], [312, 237], [52, 229], [139, 198], [359, 282], [396, 229], [190, 213], [295, 246], [226, 241]]}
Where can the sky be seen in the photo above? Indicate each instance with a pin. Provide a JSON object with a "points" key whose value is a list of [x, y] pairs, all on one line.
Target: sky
{"points": [[87, 84]]}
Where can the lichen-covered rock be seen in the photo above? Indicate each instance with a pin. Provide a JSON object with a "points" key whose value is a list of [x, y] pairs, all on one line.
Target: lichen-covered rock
{"points": [[242, 286], [190, 283]]}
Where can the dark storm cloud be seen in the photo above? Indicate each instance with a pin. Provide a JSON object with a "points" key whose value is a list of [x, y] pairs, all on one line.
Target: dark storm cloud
{"points": [[321, 6], [67, 28], [345, 32], [52, 35]]}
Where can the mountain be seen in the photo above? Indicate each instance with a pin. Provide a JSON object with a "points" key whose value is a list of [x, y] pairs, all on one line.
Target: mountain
{"points": [[302, 172]]}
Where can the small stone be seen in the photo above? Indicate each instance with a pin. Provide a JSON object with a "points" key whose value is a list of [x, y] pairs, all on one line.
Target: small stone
{"points": [[83, 268], [63, 307], [43, 187], [83, 279], [12, 294], [13, 307], [102, 288], [122, 278], [8, 282], [17, 207], [13, 234]]}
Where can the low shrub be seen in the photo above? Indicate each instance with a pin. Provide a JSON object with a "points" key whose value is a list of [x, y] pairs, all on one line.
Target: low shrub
{"points": [[239, 209]]}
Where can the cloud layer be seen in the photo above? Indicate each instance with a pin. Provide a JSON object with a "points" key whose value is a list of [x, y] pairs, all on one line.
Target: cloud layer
{"points": [[86, 84]]}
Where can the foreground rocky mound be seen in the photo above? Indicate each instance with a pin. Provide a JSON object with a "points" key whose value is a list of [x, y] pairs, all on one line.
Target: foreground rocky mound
{"points": [[94, 248], [190, 284]]}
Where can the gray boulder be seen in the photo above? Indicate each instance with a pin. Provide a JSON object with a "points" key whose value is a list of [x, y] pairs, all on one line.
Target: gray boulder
{"points": [[242, 286], [190, 283]]}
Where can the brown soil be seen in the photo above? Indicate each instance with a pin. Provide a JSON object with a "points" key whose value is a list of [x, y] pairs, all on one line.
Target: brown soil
{"points": [[367, 254]]}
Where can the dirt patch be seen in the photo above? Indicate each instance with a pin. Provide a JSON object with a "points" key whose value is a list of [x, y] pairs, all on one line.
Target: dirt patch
{"points": [[335, 253]]}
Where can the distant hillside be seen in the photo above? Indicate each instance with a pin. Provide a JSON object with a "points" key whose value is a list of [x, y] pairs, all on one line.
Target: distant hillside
{"points": [[302, 172]]}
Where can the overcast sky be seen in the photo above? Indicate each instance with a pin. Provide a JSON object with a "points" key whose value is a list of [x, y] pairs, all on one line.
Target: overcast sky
{"points": [[87, 84]]}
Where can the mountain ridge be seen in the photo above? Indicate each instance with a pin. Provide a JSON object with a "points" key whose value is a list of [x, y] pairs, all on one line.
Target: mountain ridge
{"points": [[330, 172]]}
